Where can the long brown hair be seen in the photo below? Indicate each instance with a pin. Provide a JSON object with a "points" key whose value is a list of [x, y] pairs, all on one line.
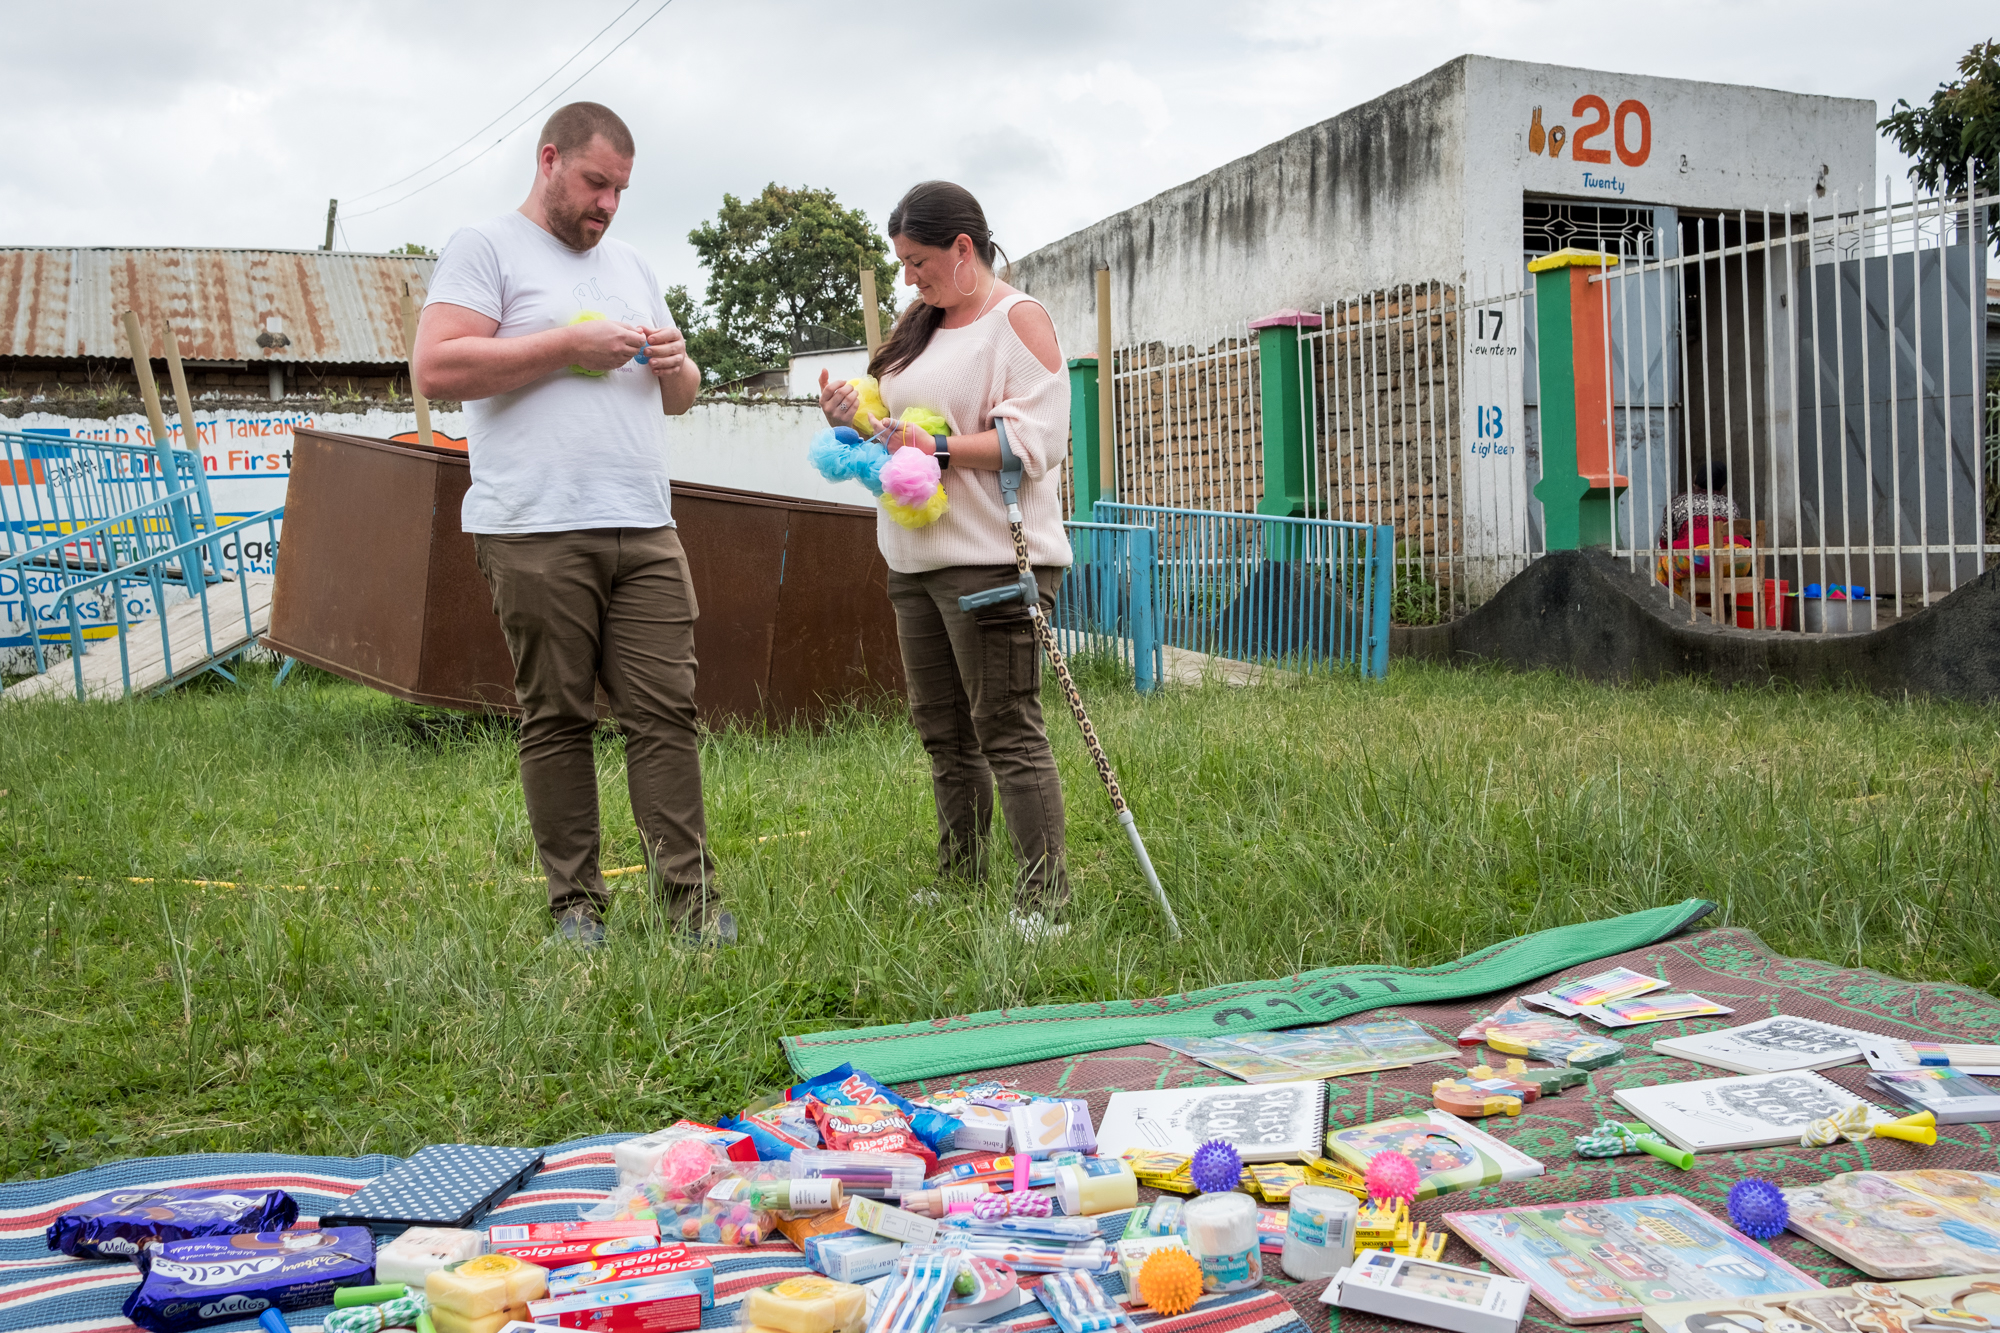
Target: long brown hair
{"points": [[933, 213]]}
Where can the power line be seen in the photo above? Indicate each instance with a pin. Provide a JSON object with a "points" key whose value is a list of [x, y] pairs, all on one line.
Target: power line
{"points": [[503, 115], [530, 118]]}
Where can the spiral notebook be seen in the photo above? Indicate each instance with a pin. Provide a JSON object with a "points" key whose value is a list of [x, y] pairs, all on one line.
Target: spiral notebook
{"points": [[1268, 1122], [444, 1185]]}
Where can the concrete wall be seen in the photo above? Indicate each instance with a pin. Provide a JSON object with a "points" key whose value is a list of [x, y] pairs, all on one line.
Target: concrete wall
{"points": [[842, 363], [1354, 202], [754, 446]]}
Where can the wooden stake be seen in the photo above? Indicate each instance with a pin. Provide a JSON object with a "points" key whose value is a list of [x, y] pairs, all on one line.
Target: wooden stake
{"points": [[410, 354], [871, 317], [190, 438], [142, 368], [1107, 438]]}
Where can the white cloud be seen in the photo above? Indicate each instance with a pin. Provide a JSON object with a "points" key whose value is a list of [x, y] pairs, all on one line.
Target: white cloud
{"points": [[205, 123]]}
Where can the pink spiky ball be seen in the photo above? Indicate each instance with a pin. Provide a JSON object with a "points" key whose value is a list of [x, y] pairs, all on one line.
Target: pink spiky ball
{"points": [[1392, 1176]]}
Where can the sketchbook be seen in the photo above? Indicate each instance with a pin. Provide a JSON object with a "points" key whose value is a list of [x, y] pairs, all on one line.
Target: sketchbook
{"points": [[1450, 1154], [1723, 1114], [1597, 1260], [1774, 1045], [1270, 1122]]}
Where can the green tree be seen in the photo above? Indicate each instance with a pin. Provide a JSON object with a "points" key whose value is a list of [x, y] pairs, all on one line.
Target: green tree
{"points": [[719, 358], [1959, 131], [784, 266]]}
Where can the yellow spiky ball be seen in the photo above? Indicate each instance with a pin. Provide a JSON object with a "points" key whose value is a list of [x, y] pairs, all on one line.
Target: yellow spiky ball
{"points": [[1170, 1281]]}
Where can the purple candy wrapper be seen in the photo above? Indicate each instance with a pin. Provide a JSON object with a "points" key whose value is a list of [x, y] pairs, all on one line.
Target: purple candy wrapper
{"points": [[116, 1225], [190, 1284]]}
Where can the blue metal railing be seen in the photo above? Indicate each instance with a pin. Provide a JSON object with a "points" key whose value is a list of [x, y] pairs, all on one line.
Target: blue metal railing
{"points": [[72, 509], [1309, 593], [212, 595], [1108, 603]]}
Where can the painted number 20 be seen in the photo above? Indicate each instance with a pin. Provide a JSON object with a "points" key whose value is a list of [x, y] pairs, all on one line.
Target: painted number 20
{"points": [[1629, 110], [1630, 127]]}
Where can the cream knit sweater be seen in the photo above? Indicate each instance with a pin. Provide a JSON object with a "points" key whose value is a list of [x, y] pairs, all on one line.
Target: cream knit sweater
{"points": [[973, 375]]}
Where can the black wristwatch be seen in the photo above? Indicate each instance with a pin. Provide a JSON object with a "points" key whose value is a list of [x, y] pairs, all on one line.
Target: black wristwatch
{"points": [[943, 454]]}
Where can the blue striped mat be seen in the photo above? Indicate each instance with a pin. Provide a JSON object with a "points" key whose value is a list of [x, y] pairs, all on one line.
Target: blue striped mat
{"points": [[42, 1289]]}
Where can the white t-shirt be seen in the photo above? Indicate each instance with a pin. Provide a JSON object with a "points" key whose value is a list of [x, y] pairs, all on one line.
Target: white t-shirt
{"points": [[569, 450]]}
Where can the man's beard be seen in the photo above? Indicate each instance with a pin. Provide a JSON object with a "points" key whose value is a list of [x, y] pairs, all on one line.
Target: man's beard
{"points": [[566, 224]]}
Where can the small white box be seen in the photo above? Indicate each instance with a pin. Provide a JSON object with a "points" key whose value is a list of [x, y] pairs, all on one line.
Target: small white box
{"points": [[1402, 1286]]}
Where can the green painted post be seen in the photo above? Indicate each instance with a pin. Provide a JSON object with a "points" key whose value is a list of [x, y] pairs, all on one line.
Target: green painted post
{"points": [[1562, 488], [1580, 483], [1288, 469], [1086, 486], [1086, 449]]}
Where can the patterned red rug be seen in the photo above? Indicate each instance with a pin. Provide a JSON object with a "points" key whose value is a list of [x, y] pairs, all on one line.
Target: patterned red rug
{"points": [[1730, 966]]}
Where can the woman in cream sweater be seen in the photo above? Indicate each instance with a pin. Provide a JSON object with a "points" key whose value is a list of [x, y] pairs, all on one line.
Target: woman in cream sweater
{"points": [[976, 351]]}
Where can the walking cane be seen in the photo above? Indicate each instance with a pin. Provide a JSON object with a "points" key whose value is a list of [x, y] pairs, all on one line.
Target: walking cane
{"points": [[1030, 594]]}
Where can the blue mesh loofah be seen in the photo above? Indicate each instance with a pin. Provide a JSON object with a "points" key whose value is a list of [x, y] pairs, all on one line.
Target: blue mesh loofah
{"points": [[840, 454], [1757, 1209], [1217, 1167]]}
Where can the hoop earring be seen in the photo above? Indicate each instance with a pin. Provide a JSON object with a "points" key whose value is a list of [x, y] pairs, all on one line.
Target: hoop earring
{"points": [[954, 280]]}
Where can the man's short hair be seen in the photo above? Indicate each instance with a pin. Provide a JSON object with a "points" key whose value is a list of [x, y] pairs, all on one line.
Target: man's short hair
{"points": [[572, 128]]}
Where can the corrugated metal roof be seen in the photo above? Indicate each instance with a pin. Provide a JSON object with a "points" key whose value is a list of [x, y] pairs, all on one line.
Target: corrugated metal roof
{"points": [[224, 305]]}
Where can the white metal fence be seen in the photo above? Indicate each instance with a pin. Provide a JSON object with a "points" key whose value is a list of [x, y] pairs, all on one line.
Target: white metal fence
{"points": [[1823, 365]]}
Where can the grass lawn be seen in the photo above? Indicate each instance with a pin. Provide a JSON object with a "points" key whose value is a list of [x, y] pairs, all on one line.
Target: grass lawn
{"points": [[378, 980]]}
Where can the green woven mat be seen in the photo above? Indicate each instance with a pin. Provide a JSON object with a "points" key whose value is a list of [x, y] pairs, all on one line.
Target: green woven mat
{"points": [[1015, 1036]]}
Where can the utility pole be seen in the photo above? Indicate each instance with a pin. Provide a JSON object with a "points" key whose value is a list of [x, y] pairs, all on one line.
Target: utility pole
{"points": [[332, 212]]}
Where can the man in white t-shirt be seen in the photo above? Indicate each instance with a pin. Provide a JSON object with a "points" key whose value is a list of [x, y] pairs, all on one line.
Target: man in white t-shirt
{"points": [[560, 344]]}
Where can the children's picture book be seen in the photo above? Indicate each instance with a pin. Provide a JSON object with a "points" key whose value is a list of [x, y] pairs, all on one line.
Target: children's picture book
{"points": [[1572, 997], [1950, 1094], [1270, 1122], [1657, 1008], [1329, 1050], [1450, 1154], [1599, 1260], [1903, 1224], [1723, 1114], [1836, 1309], [1774, 1045]]}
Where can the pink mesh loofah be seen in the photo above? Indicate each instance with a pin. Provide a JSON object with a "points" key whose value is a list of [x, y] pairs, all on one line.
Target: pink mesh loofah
{"points": [[911, 477], [685, 1167]]}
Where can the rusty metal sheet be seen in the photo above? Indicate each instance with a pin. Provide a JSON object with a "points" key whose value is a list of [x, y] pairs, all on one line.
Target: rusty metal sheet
{"points": [[327, 306], [378, 583], [839, 633]]}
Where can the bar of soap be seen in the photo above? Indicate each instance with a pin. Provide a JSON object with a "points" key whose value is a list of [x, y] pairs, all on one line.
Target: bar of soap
{"points": [[446, 1321], [484, 1286], [413, 1256], [808, 1305]]}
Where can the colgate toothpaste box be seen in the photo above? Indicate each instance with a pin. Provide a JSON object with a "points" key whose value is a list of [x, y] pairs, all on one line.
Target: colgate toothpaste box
{"points": [[628, 1270], [670, 1305], [558, 1244]]}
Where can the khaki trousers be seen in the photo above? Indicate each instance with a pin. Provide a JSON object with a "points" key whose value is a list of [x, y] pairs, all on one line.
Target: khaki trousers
{"points": [[610, 605], [975, 682]]}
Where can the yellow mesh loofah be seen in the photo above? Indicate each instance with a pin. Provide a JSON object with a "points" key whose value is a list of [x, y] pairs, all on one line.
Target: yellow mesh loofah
{"points": [[868, 417], [1170, 1281], [584, 317], [918, 516], [927, 421]]}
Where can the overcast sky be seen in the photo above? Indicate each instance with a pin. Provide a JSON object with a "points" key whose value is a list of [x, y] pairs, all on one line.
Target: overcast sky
{"points": [[213, 124]]}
